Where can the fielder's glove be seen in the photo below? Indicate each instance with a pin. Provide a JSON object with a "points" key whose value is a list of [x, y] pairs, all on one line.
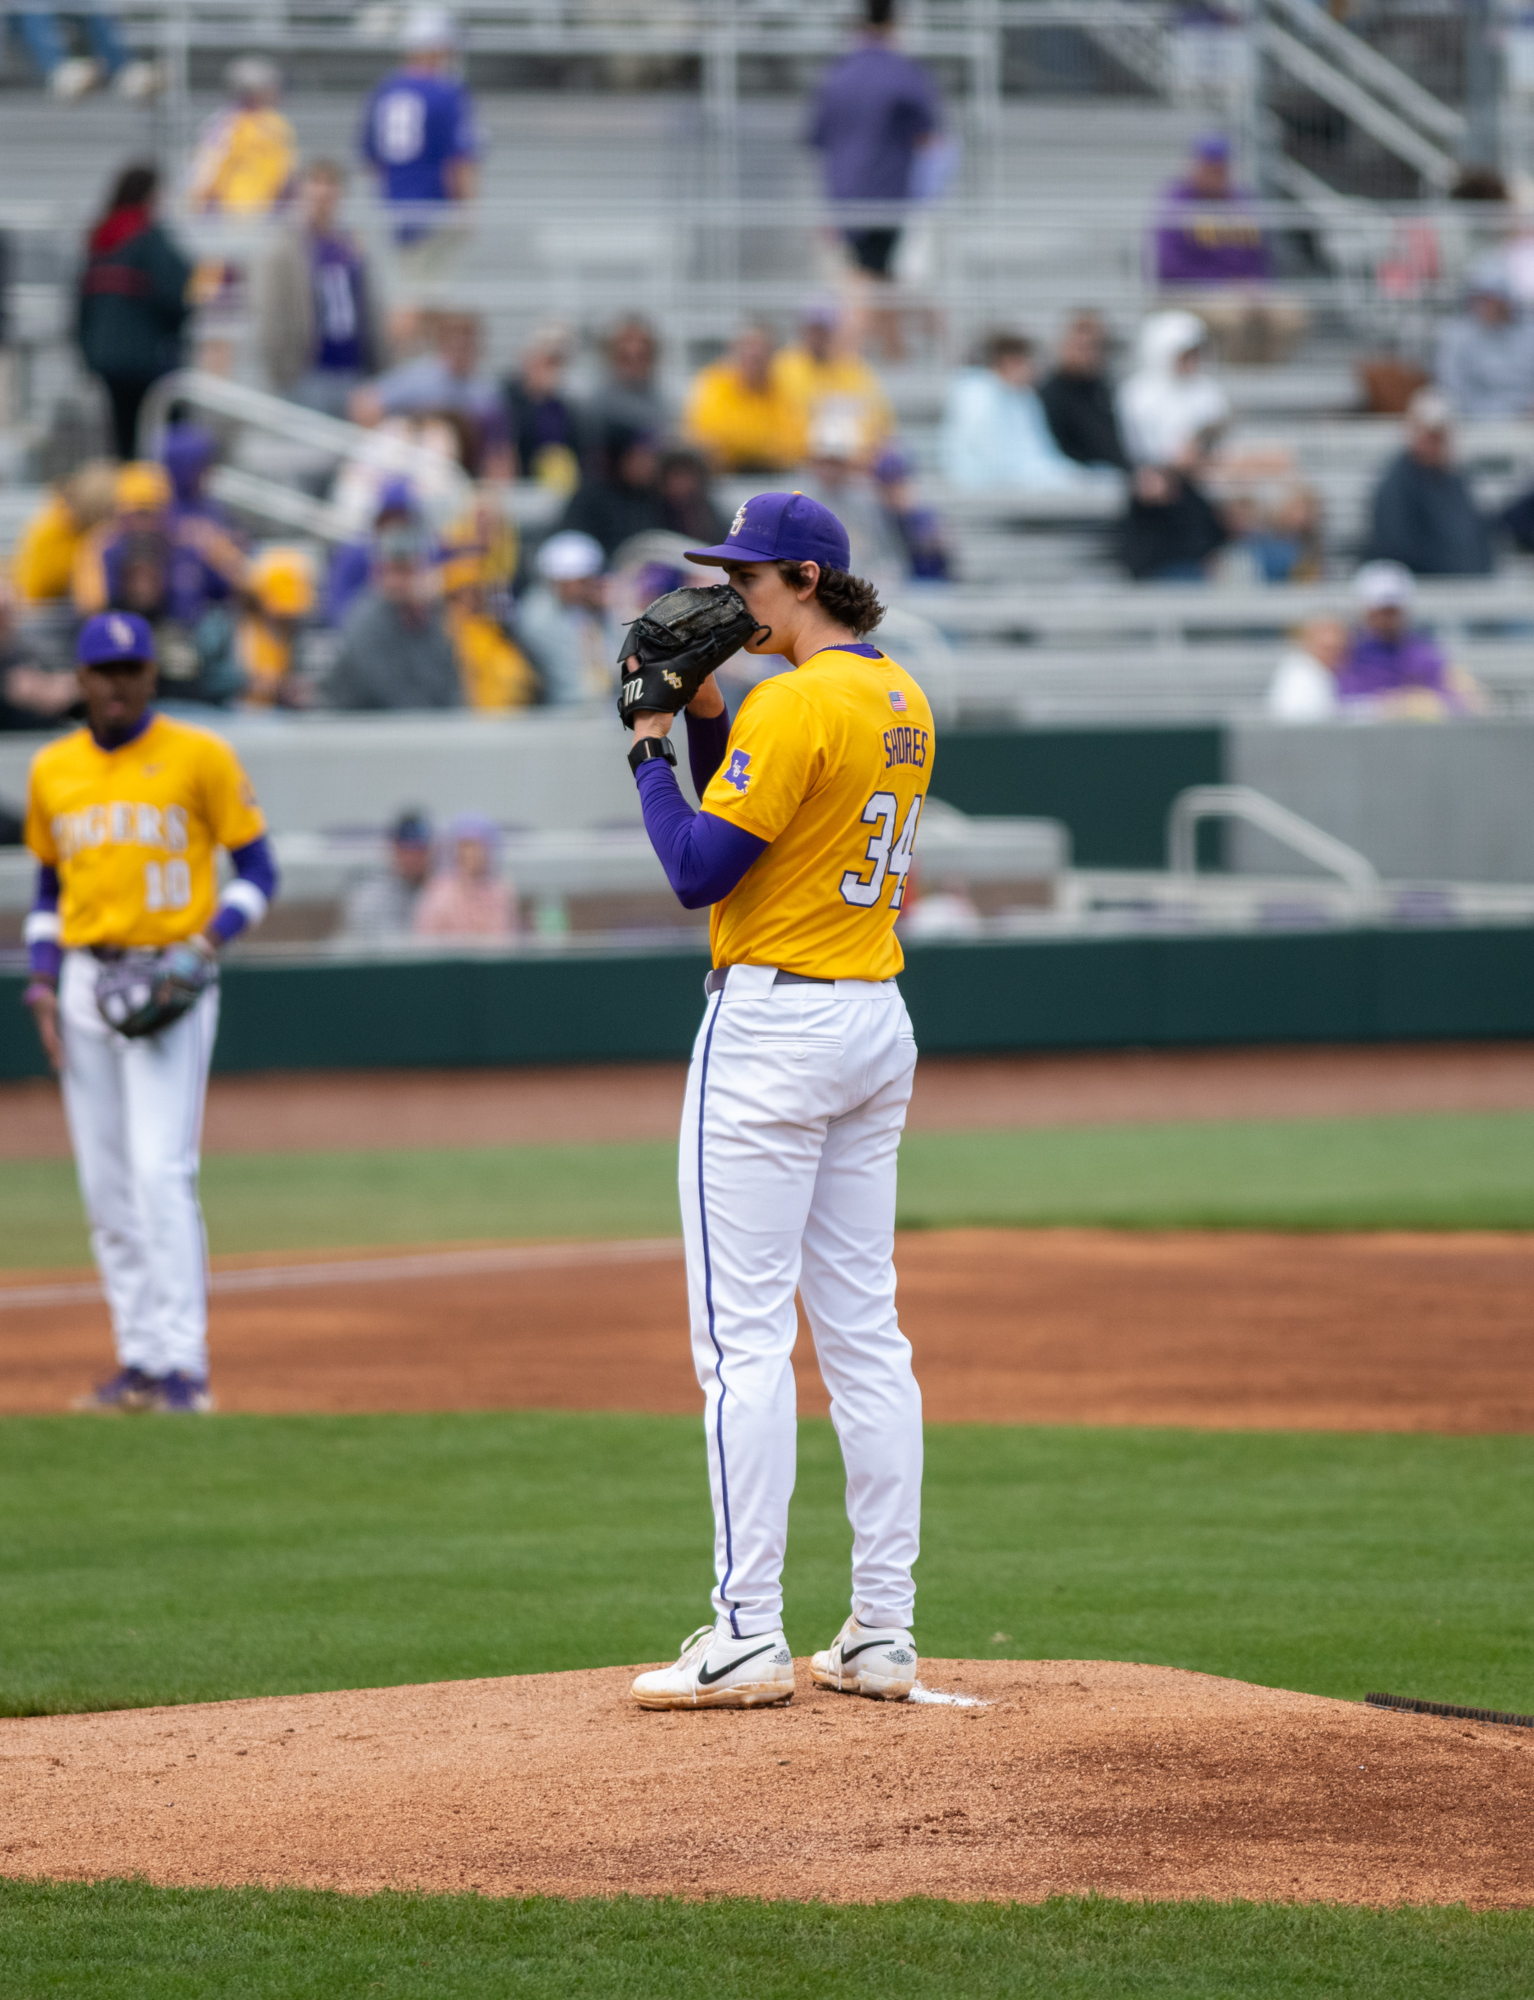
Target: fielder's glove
{"points": [[678, 642], [143, 992]]}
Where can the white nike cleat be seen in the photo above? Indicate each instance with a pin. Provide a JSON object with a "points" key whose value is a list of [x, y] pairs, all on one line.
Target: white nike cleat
{"points": [[714, 1671], [877, 1660]]}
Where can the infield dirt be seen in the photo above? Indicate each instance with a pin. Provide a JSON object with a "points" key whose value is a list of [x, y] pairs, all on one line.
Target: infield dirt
{"points": [[1371, 1332], [1074, 1775]]}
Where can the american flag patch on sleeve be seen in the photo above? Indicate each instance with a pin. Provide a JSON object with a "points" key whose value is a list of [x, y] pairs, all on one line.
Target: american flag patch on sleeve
{"points": [[897, 701]]}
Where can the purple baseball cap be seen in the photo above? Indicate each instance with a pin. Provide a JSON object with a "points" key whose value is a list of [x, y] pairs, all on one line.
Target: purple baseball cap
{"points": [[113, 635], [782, 527], [1212, 146]]}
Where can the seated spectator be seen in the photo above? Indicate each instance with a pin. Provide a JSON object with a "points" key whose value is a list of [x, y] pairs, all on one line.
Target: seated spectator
{"points": [[379, 906], [448, 380], [1277, 543], [189, 453], [394, 651], [622, 497], [630, 390], [317, 306], [69, 76], [43, 562], [280, 596], [918, 527], [466, 898], [994, 431], [1486, 352], [196, 562], [493, 669], [1304, 683], [1169, 407], [545, 438], [352, 563], [740, 414], [32, 696], [1388, 667], [688, 507], [563, 622], [1211, 254], [1423, 514], [247, 152], [827, 376], [1078, 397]]}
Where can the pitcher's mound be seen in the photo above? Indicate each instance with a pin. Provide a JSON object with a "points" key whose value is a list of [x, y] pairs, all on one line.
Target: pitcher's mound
{"points": [[1072, 1775]]}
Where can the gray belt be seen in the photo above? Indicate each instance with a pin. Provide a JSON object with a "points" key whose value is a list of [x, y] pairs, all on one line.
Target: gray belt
{"points": [[715, 980]]}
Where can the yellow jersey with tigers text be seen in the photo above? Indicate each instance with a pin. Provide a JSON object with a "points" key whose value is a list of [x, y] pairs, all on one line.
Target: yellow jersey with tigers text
{"points": [[830, 764], [133, 831]]}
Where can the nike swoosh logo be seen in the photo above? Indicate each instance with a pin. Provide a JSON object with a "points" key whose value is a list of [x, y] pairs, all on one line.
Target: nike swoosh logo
{"points": [[866, 1647], [706, 1679]]}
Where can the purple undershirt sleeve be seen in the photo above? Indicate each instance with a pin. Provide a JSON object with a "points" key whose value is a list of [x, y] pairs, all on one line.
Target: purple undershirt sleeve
{"points": [[708, 738], [253, 863], [703, 857], [44, 954]]}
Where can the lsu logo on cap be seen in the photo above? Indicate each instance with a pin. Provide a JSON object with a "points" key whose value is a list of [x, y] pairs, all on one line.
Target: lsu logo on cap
{"points": [[120, 632], [737, 775], [897, 701], [740, 520]]}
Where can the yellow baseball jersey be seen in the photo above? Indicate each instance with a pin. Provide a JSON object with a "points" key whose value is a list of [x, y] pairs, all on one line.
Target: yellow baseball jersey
{"points": [[830, 764], [132, 832]]}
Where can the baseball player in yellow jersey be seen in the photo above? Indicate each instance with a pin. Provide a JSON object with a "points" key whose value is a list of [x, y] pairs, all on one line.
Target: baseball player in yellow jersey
{"points": [[796, 1097], [125, 817]]}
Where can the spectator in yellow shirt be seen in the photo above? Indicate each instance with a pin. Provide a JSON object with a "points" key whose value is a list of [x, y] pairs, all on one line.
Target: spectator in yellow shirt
{"points": [[247, 153], [280, 595], [495, 672], [831, 380], [44, 560], [741, 414]]}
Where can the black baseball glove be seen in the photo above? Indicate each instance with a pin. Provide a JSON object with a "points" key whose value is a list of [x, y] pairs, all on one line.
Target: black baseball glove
{"points": [[678, 642], [144, 991]]}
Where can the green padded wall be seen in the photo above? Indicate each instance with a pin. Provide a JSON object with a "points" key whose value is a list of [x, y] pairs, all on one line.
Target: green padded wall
{"points": [[1046, 994]]}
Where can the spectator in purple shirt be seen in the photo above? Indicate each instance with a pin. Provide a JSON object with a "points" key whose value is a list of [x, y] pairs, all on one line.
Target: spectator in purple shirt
{"points": [[874, 112], [317, 316], [1212, 256], [1391, 669], [418, 136]]}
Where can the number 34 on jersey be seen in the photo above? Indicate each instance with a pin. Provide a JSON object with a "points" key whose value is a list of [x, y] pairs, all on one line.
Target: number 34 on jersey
{"points": [[889, 854]]}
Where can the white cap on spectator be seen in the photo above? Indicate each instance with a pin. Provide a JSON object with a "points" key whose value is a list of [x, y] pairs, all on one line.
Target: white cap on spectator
{"points": [[1379, 586], [429, 28], [1428, 410], [569, 556]]}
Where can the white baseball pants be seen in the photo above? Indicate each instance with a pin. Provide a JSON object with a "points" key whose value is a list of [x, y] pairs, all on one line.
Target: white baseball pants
{"points": [[135, 1120], [795, 1103]]}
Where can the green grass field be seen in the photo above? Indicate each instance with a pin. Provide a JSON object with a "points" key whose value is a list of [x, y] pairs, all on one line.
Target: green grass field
{"points": [[126, 1941], [150, 1561], [1431, 1172]]}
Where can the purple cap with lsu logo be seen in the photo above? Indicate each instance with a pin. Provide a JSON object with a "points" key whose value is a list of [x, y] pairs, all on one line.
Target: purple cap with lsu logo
{"points": [[113, 635], [782, 527]]}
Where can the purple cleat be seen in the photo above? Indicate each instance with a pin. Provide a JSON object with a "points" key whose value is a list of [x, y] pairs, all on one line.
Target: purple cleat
{"points": [[180, 1394], [129, 1389]]}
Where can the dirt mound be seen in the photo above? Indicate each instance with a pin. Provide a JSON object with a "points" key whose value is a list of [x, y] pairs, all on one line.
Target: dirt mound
{"points": [[1377, 1332], [1073, 1775]]}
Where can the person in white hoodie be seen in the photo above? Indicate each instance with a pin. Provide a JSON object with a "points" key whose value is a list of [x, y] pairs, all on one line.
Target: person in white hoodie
{"points": [[1170, 413]]}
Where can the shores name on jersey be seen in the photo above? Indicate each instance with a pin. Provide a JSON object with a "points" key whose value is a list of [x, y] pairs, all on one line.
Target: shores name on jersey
{"points": [[818, 771], [134, 831]]}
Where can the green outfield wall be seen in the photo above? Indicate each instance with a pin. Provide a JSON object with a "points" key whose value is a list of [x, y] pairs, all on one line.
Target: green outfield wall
{"points": [[1157, 992]]}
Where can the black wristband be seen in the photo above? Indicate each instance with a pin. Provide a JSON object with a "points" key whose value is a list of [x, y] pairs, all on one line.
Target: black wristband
{"points": [[648, 748]]}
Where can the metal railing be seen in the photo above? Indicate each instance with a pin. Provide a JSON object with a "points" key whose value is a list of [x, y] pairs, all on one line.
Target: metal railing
{"points": [[1301, 836]]}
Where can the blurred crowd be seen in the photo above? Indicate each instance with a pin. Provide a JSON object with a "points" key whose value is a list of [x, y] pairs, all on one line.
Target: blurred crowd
{"points": [[434, 598]]}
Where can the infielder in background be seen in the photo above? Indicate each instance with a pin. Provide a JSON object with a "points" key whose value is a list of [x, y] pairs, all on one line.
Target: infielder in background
{"points": [[124, 817], [800, 1076]]}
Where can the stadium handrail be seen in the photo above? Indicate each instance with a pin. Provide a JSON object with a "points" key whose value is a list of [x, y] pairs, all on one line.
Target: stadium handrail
{"points": [[1301, 836]]}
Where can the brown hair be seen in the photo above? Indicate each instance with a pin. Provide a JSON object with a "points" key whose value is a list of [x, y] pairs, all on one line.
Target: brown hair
{"points": [[851, 600]]}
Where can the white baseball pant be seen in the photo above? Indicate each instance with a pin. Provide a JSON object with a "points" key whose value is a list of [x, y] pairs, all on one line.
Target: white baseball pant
{"points": [[796, 1098], [135, 1120]]}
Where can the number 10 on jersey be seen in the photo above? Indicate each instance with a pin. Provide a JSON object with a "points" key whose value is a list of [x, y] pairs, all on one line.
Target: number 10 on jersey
{"points": [[887, 855]]}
